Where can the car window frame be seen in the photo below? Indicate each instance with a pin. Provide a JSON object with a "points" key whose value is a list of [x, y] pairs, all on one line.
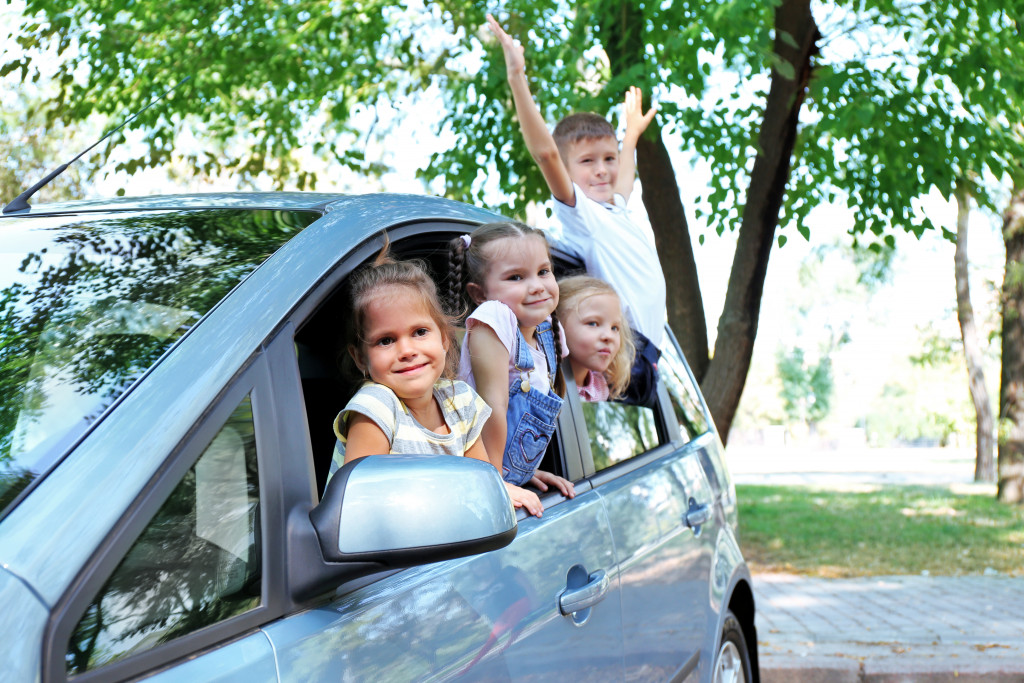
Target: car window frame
{"points": [[670, 414], [253, 380]]}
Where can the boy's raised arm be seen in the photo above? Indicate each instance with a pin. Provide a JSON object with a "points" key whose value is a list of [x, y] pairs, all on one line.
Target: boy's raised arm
{"points": [[535, 131], [636, 124]]}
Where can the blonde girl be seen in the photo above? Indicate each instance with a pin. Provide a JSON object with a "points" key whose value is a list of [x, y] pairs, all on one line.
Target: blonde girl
{"points": [[511, 353], [600, 343], [403, 344]]}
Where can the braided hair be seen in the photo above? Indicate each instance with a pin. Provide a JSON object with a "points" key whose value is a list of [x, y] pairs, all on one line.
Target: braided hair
{"points": [[468, 264]]}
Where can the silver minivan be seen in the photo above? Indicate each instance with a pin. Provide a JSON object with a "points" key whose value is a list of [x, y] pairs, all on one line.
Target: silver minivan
{"points": [[170, 378]]}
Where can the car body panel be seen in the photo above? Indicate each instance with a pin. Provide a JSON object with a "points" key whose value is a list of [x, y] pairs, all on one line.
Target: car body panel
{"points": [[22, 634], [250, 659], [490, 617], [663, 564]]}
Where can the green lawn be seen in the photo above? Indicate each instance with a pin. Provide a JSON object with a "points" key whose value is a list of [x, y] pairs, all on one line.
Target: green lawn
{"points": [[878, 530]]}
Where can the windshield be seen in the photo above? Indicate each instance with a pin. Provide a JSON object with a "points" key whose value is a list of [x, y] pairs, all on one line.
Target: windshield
{"points": [[88, 303]]}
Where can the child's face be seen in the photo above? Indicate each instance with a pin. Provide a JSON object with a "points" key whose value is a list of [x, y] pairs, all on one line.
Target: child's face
{"points": [[593, 164], [593, 331], [519, 275], [404, 349]]}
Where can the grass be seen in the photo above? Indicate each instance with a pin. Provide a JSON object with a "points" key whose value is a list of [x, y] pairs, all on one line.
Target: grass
{"points": [[875, 531]]}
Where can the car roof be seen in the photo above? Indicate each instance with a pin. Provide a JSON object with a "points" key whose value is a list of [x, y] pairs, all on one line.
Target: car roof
{"points": [[298, 201]]}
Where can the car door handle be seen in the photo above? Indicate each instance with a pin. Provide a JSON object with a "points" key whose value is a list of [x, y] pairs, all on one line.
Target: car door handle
{"points": [[575, 599], [697, 515]]}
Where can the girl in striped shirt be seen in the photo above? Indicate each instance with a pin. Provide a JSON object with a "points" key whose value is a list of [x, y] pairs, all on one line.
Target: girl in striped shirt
{"points": [[409, 402]]}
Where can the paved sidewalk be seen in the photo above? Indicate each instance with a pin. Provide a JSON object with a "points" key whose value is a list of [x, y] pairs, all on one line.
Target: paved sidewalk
{"points": [[882, 629], [895, 628]]}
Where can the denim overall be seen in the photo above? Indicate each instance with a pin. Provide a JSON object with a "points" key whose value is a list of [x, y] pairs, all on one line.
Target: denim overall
{"points": [[531, 414]]}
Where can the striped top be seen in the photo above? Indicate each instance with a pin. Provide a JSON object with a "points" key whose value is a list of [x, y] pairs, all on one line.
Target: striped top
{"points": [[464, 412]]}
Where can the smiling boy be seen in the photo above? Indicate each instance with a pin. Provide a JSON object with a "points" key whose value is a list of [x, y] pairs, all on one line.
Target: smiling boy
{"points": [[591, 179]]}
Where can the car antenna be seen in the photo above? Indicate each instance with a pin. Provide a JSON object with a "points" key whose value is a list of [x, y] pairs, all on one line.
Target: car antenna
{"points": [[20, 203]]}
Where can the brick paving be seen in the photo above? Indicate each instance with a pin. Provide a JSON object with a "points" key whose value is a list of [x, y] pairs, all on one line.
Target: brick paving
{"points": [[892, 628]]}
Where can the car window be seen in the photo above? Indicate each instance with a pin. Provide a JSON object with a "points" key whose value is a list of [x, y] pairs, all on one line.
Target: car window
{"points": [[618, 432], [684, 396], [196, 563], [89, 302]]}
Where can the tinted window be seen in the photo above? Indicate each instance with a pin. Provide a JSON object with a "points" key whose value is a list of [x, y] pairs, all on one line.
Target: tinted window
{"points": [[685, 398], [196, 563], [618, 432], [88, 303]]}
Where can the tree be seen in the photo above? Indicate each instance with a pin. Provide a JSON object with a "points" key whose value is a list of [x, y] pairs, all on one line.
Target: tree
{"points": [[806, 386], [29, 148], [985, 466], [814, 116], [1011, 386]]}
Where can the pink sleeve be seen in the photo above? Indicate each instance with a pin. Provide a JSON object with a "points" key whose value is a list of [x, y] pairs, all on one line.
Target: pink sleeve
{"points": [[499, 318]]}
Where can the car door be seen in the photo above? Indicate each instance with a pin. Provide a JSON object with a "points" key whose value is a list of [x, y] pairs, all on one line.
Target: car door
{"points": [[659, 504], [188, 570], [494, 616]]}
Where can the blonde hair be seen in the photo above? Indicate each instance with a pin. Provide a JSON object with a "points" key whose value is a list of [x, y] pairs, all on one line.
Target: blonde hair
{"points": [[572, 291], [373, 279]]}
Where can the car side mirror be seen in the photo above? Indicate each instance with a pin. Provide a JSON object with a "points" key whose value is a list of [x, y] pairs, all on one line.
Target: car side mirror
{"points": [[390, 511]]}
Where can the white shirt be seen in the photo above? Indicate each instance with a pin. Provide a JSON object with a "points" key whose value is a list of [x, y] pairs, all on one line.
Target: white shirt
{"points": [[620, 252]]}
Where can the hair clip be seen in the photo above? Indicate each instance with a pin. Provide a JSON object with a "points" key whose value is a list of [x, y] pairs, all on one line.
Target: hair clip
{"points": [[466, 239]]}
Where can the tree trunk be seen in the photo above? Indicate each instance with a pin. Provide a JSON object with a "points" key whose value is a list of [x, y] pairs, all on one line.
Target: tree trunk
{"points": [[621, 25], [1011, 388], [796, 36], [984, 464]]}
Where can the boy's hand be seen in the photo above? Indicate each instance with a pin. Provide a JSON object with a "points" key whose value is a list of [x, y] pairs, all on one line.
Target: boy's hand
{"points": [[515, 62], [521, 498], [636, 120], [542, 480]]}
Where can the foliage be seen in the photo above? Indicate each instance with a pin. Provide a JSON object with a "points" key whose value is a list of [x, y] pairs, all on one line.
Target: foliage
{"points": [[881, 126], [30, 149], [920, 407], [807, 385], [311, 70], [877, 531]]}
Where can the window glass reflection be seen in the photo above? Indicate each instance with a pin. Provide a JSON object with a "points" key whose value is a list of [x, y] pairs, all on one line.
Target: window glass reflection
{"points": [[88, 303], [196, 563], [618, 431], [686, 403]]}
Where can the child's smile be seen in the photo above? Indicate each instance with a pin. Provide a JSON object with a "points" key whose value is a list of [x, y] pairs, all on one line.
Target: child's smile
{"points": [[593, 164], [403, 348], [520, 277]]}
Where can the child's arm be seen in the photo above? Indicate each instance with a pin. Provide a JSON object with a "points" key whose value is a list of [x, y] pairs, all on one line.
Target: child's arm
{"points": [[535, 131], [364, 438], [489, 361], [521, 498], [636, 124]]}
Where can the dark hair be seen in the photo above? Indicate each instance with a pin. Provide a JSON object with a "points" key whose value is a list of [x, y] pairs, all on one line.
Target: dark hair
{"points": [[580, 126], [469, 265], [369, 280]]}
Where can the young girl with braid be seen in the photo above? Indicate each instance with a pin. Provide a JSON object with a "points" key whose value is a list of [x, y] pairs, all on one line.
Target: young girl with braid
{"points": [[510, 353]]}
